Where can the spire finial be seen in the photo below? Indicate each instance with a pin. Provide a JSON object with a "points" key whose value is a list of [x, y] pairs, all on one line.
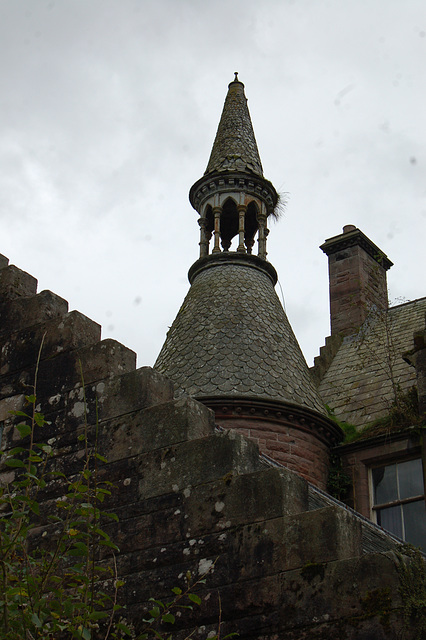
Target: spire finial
{"points": [[236, 76]]}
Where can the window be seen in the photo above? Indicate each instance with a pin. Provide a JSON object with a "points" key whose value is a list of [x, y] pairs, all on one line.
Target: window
{"points": [[398, 500]]}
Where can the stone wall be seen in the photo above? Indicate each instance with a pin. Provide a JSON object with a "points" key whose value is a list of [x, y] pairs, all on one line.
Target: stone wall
{"points": [[286, 561]]}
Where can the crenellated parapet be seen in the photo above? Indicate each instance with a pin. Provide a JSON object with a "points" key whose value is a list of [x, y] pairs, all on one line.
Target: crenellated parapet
{"points": [[282, 558]]}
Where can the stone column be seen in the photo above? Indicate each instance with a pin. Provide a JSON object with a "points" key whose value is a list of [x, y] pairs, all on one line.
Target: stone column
{"points": [[241, 208], [249, 245], [204, 243], [216, 212], [263, 232]]}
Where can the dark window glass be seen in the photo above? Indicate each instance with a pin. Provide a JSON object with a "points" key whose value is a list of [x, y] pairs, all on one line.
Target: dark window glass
{"points": [[415, 523], [394, 487], [390, 519], [410, 479], [385, 486]]}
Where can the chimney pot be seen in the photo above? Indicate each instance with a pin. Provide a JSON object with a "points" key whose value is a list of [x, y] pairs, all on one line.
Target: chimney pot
{"points": [[349, 227]]}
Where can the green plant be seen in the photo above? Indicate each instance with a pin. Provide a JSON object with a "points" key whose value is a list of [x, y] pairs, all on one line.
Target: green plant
{"points": [[50, 571], [52, 537], [349, 430], [338, 481], [412, 576]]}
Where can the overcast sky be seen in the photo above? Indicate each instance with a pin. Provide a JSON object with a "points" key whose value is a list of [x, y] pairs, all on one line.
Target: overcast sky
{"points": [[108, 112]]}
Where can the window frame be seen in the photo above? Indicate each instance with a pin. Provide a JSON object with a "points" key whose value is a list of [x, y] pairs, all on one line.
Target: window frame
{"points": [[375, 508]]}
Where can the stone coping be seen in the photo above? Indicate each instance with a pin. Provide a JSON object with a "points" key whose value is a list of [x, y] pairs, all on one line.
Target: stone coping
{"points": [[232, 258]]}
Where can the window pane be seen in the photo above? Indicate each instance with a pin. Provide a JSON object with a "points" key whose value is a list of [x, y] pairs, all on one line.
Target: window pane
{"points": [[415, 523], [390, 519], [384, 482], [410, 477]]}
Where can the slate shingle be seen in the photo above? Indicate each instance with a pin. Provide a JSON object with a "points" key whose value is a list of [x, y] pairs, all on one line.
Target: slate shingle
{"points": [[270, 365], [358, 385], [235, 148]]}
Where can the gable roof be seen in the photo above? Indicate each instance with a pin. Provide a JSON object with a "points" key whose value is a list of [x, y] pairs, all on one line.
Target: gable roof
{"points": [[368, 369]]}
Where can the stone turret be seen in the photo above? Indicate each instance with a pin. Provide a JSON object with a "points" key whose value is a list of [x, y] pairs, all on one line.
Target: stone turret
{"points": [[231, 345], [233, 198]]}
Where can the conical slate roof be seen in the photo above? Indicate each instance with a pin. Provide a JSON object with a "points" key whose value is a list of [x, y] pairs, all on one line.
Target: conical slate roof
{"points": [[235, 148], [231, 338]]}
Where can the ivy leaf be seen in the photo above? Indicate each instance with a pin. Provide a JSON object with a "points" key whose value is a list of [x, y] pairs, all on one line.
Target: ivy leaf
{"points": [[122, 627], [24, 429], [14, 451], [108, 543], [39, 419], [194, 598], [86, 634], [34, 506], [36, 620], [35, 458], [31, 399], [15, 463], [168, 617], [177, 591], [98, 615], [112, 516]]}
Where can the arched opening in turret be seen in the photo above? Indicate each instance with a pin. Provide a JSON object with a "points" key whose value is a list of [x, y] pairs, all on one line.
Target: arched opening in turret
{"points": [[209, 222], [228, 223], [251, 225]]}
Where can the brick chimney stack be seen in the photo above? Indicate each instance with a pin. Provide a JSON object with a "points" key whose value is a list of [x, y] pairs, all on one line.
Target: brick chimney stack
{"points": [[357, 273]]}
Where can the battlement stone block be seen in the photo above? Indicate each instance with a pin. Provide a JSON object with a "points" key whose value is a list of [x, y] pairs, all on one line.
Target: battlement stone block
{"points": [[333, 534], [15, 283], [239, 499], [153, 428], [181, 467], [63, 333], [25, 312]]}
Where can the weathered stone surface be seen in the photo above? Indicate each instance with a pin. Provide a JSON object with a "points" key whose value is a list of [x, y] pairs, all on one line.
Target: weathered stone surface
{"points": [[417, 358], [63, 333], [362, 600], [69, 369], [68, 411], [234, 500], [333, 534], [154, 428], [3, 261], [12, 403], [25, 312], [15, 283], [181, 467]]}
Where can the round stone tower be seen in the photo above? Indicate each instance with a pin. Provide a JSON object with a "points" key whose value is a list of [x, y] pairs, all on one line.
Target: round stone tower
{"points": [[231, 345]]}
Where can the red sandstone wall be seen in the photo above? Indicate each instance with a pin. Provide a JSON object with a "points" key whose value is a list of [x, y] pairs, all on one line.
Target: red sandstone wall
{"points": [[298, 450]]}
